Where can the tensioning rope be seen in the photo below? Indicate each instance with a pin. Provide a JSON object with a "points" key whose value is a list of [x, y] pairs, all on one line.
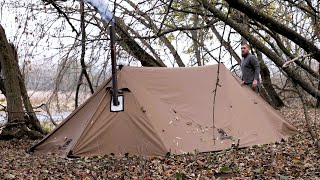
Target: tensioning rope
{"points": [[218, 79]]}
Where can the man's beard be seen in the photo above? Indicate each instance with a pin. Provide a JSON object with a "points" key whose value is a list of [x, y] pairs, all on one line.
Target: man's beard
{"points": [[244, 55]]}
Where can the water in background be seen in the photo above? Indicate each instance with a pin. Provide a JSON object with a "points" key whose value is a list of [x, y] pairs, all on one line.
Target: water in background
{"points": [[42, 116]]}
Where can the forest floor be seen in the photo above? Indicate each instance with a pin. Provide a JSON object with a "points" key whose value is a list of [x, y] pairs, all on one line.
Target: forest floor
{"points": [[295, 159]]}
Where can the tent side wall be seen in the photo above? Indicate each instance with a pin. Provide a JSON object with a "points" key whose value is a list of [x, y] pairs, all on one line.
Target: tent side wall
{"points": [[128, 131], [61, 139], [180, 104]]}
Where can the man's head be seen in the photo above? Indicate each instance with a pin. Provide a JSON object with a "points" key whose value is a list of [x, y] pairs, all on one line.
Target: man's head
{"points": [[245, 49]]}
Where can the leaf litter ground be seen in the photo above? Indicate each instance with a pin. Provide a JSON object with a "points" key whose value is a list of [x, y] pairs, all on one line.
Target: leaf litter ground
{"points": [[295, 159]]}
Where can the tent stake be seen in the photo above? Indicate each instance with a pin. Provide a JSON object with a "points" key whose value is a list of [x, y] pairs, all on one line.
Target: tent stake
{"points": [[238, 143]]}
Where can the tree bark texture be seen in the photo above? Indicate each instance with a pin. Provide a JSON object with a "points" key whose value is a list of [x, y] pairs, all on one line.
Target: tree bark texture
{"points": [[226, 45], [2, 86], [155, 29], [265, 96], [20, 124], [291, 56], [9, 70], [267, 84], [134, 48], [318, 100], [30, 116]]}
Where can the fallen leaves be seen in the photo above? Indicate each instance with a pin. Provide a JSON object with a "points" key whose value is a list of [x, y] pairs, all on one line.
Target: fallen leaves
{"points": [[296, 158]]}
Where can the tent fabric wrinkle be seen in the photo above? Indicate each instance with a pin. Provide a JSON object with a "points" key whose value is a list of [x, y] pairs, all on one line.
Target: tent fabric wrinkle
{"points": [[168, 110]]}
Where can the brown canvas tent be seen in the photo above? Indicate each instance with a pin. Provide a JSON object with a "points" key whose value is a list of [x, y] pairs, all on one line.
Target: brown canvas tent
{"points": [[168, 110]]}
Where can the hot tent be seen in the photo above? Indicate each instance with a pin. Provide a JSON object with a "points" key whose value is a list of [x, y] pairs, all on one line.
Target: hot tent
{"points": [[168, 110]]}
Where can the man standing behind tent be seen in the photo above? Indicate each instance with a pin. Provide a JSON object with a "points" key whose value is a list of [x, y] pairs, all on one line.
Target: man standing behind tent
{"points": [[250, 68]]}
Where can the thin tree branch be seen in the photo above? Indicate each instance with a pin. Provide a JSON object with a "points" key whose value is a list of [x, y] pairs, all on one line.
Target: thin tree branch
{"points": [[154, 28], [63, 14], [182, 28], [276, 37], [46, 109], [313, 12], [286, 64], [83, 52], [271, 23], [165, 16], [260, 46], [226, 44]]}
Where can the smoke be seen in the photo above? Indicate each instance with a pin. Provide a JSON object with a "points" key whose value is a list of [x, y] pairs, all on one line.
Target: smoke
{"points": [[103, 9]]}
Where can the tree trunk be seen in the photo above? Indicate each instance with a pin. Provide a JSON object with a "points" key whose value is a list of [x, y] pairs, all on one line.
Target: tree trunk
{"points": [[194, 35], [226, 45], [318, 99], [245, 22], [30, 116], [291, 56], [316, 26], [2, 86], [17, 125], [9, 70], [264, 71], [265, 96], [155, 29], [134, 48], [265, 76]]}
